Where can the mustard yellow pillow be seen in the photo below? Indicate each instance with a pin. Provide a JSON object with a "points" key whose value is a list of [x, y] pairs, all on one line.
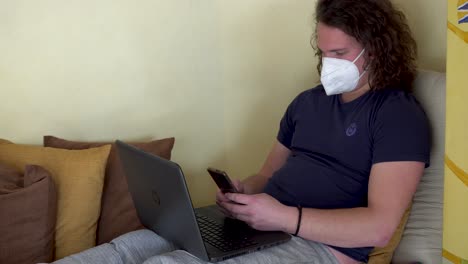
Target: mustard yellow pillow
{"points": [[384, 255], [79, 179]]}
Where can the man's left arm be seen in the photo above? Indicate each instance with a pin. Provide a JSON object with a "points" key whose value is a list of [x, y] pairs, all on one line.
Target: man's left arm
{"points": [[391, 188]]}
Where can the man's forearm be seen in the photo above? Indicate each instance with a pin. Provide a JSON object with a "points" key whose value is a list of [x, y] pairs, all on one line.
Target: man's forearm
{"points": [[356, 227]]}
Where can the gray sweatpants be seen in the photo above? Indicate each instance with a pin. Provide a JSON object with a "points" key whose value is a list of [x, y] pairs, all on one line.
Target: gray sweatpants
{"points": [[144, 246]]}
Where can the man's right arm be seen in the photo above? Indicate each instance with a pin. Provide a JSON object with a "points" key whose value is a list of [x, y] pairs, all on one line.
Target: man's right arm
{"points": [[275, 160]]}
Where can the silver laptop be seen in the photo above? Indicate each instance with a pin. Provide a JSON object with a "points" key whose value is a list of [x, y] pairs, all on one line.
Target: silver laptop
{"points": [[163, 204]]}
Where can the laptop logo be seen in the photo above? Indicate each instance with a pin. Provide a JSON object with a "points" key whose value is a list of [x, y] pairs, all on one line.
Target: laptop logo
{"points": [[156, 199]]}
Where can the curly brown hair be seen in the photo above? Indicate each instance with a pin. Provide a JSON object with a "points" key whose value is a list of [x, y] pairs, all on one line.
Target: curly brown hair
{"points": [[382, 30]]}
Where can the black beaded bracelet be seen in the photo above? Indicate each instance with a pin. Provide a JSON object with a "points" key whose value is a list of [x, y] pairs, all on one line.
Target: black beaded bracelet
{"points": [[299, 208]]}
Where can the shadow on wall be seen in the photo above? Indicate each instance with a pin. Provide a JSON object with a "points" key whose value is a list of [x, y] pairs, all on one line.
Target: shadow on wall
{"points": [[428, 20]]}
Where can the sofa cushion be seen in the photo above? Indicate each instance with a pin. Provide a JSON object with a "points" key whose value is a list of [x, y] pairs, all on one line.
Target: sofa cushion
{"points": [[28, 205], [422, 237], [118, 215], [78, 176]]}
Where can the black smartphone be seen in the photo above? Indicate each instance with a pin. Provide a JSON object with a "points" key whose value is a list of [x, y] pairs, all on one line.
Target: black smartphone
{"points": [[222, 180]]}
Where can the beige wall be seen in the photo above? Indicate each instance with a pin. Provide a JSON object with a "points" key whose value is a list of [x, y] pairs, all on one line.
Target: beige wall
{"points": [[100, 70], [267, 60], [217, 75], [428, 21]]}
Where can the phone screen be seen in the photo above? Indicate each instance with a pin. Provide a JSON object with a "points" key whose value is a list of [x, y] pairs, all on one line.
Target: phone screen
{"points": [[222, 180]]}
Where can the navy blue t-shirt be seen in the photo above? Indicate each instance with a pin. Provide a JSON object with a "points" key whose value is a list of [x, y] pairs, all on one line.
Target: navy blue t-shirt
{"points": [[334, 145]]}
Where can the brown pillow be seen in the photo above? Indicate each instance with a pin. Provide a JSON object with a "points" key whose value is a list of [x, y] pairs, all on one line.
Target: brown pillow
{"points": [[28, 208], [11, 179], [4, 141], [118, 214]]}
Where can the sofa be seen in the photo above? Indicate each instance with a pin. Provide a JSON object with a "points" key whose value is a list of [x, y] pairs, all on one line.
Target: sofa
{"points": [[419, 241]]}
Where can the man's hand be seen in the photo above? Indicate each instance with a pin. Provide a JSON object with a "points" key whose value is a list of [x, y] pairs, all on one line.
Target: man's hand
{"points": [[221, 197], [261, 212]]}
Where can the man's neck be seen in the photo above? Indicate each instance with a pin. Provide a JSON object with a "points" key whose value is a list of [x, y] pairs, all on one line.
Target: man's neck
{"points": [[350, 96]]}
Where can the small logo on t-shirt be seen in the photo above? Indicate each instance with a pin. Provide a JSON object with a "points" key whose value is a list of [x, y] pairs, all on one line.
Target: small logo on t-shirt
{"points": [[351, 130]]}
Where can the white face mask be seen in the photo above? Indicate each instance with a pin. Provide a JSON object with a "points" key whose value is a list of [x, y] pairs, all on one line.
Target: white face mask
{"points": [[340, 76]]}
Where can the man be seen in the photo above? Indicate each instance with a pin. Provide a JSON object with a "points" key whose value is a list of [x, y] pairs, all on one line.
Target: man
{"points": [[349, 153]]}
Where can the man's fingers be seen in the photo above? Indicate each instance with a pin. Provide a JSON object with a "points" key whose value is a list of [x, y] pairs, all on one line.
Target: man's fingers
{"points": [[238, 197], [236, 209], [224, 210], [221, 197], [242, 217]]}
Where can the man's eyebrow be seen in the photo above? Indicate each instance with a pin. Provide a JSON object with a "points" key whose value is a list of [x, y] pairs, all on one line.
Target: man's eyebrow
{"points": [[338, 50], [334, 50]]}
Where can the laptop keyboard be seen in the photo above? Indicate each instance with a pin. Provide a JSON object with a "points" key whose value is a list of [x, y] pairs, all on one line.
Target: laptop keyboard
{"points": [[217, 236]]}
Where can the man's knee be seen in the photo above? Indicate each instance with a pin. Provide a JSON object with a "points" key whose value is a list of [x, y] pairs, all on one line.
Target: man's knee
{"points": [[174, 257]]}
